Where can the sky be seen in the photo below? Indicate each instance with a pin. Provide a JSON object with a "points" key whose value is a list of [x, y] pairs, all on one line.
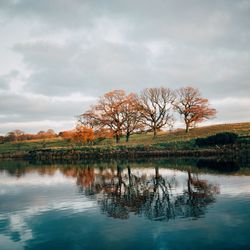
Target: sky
{"points": [[58, 57]]}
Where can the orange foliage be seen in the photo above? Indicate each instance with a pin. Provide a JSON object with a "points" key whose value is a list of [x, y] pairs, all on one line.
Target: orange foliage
{"points": [[114, 111], [69, 134], [107, 113], [103, 133], [192, 107], [85, 177], [83, 134]]}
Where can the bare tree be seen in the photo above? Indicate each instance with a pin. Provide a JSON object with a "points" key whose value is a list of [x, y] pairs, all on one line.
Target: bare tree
{"points": [[15, 135], [155, 106], [192, 107]]}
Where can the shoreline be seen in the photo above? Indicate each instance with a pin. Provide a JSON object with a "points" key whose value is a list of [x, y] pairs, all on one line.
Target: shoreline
{"points": [[99, 153]]}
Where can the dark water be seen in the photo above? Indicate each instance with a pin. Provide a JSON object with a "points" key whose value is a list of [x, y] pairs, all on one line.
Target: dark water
{"points": [[143, 205]]}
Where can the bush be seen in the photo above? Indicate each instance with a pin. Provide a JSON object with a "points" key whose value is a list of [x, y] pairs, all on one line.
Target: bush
{"points": [[218, 139]]}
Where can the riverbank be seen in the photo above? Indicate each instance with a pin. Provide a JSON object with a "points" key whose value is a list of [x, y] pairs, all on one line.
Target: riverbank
{"points": [[115, 152], [167, 144]]}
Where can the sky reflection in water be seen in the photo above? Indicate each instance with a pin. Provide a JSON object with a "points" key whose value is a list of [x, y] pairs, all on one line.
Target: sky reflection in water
{"points": [[122, 206]]}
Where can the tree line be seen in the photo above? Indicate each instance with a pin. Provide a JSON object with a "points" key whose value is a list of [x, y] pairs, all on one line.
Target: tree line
{"points": [[152, 109], [80, 134], [118, 114], [19, 135]]}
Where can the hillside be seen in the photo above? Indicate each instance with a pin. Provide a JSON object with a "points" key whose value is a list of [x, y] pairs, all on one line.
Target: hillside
{"points": [[177, 138], [242, 129]]}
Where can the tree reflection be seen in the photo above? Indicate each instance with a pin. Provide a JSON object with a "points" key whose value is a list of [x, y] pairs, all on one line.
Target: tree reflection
{"points": [[195, 198], [124, 194], [121, 192]]}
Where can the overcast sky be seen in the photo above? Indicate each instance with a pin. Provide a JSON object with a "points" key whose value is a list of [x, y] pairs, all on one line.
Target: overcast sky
{"points": [[58, 56]]}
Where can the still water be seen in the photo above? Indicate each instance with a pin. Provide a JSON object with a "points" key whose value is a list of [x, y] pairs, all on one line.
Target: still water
{"points": [[122, 205]]}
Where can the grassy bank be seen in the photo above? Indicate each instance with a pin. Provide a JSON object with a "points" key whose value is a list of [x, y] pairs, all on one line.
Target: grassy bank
{"points": [[166, 143]]}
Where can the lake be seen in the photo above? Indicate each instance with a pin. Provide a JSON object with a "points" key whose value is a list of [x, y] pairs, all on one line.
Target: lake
{"points": [[153, 204]]}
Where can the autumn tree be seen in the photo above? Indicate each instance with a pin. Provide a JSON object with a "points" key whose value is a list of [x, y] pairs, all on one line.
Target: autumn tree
{"points": [[114, 111], [155, 106], [83, 134], [107, 113], [103, 133], [131, 116], [90, 118], [51, 133], [67, 134], [192, 106]]}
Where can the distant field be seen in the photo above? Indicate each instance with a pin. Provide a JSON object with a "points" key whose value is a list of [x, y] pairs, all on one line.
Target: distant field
{"points": [[176, 138], [33, 144]]}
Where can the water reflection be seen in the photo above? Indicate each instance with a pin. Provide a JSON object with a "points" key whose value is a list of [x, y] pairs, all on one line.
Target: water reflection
{"points": [[222, 166], [121, 190], [43, 206], [153, 196]]}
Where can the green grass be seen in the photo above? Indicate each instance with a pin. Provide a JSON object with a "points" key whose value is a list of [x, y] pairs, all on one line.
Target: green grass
{"points": [[177, 139], [33, 145], [181, 139]]}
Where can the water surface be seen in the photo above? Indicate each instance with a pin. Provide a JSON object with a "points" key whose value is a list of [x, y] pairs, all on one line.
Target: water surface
{"points": [[124, 205]]}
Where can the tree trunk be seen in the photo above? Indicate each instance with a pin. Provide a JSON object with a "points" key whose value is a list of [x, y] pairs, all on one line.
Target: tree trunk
{"points": [[129, 175], [127, 137], [187, 127], [155, 132], [156, 178], [117, 138], [189, 182], [157, 175]]}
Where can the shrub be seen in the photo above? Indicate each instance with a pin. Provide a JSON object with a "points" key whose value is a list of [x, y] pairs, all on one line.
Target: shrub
{"points": [[218, 139]]}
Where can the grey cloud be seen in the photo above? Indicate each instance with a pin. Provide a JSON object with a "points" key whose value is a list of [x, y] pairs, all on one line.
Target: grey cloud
{"points": [[99, 68], [218, 23], [32, 113], [209, 41], [7, 78], [3, 83], [57, 13], [232, 109], [91, 47], [197, 23], [27, 108], [59, 69], [40, 55]]}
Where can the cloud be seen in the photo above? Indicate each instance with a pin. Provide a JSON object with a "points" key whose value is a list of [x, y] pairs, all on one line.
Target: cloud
{"points": [[50, 13], [6, 81], [38, 106], [103, 66], [60, 49], [223, 23], [232, 109], [32, 112]]}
